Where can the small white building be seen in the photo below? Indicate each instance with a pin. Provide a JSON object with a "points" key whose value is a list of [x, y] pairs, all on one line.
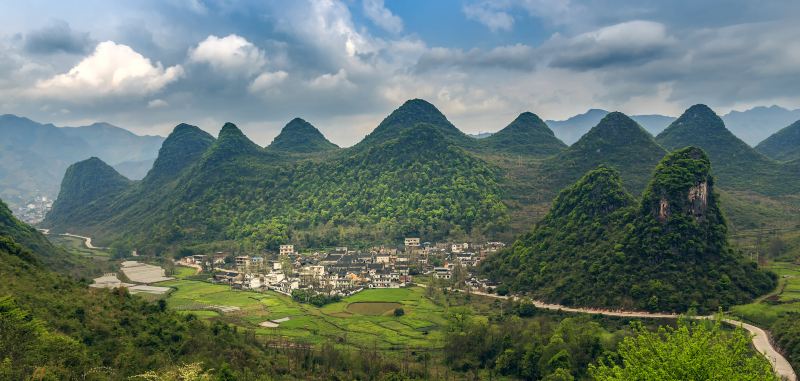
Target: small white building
{"points": [[411, 242], [442, 273], [459, 247]]}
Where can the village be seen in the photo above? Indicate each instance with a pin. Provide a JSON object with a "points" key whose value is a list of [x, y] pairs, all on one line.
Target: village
{"points": [[342, 272]]}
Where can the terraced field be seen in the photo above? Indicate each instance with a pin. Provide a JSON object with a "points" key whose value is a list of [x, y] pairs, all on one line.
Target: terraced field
{"points": [[786, 297], [418, 328]]}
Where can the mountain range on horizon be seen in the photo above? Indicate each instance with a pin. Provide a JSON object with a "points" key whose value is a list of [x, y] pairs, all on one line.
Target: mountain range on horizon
{"points": [[414, 174], [34, 156], [752, 126]]}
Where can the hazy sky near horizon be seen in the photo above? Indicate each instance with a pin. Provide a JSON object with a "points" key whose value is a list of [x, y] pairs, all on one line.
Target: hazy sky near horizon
{"points": [[344, 65]]}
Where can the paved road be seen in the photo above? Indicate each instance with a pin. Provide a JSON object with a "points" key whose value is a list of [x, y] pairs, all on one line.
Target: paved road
{"points": [[87, 241], [760, 337]]}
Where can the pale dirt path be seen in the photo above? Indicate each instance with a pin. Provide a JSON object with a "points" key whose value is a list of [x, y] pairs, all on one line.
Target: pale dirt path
{"points": [[761, 339], [87, 241]]}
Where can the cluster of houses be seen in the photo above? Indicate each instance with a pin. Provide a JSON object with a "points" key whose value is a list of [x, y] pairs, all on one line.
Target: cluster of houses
{"points": [[342, 271]]}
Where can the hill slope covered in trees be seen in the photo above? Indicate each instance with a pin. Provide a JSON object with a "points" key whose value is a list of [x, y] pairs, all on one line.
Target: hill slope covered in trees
{"points": [[784, 145], [736, 165], [526, 135], [667, 252], [439, 183], [409, 180], [301, 137]]}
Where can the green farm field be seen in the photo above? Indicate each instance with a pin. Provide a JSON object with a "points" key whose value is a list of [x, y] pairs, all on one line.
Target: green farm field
{"points": [[77, 246], [419, 327], [786, 297]]}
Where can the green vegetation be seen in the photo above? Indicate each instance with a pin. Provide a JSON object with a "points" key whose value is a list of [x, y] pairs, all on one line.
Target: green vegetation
{"points": [[668, 253], [318, 299], [526, 135], [783, 145], [617, 142], [411, 113], [737, 166], [300, 136], [415, 174], [692, 351], [785, 299], [415, 184]]}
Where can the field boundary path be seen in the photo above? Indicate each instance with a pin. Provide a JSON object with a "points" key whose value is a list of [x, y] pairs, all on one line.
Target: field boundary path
{"points": [[761, 340]]}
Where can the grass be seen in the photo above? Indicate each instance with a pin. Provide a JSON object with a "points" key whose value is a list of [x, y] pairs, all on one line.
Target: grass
{"points": [[786, 298], [182, 272], [418, 328], [76, 246], [373, 308]]}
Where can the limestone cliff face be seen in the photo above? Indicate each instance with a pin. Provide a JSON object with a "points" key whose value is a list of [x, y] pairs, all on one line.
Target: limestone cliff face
{"points": [[681, 186], [698, 199]]}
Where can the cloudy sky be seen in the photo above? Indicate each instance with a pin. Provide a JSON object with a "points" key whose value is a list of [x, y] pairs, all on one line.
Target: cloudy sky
{"points": [[344, 65]]}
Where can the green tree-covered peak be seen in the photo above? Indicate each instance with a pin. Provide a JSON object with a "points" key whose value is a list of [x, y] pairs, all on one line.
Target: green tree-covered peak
{"points": [[700, 127], [526, 135], [616, 141], [596, 195], [682, 185], [784, 145], [183, 147], [527, 121], [231, 142], [301, 136], [411, 113], [697, 123], [617, 127], [87, 181]]}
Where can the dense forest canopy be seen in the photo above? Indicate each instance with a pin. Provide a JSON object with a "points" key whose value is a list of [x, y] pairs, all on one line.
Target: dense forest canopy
{"points": [[666, 252], [415, 174]]}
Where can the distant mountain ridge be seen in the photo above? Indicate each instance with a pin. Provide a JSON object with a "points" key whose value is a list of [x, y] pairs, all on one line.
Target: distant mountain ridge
{"points": [[616, 141], [758, 123], [34, 156], [751, 126], [736, 164], [413, 175], [416, 173], [572, 129], [784, 145]]}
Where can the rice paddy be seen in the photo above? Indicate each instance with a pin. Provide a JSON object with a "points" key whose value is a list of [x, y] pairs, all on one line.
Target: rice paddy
{"points": [[786, 298], [364, 320]]}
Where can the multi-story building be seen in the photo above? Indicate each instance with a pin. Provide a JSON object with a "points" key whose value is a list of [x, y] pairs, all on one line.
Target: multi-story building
{"points": [[287, 249]]}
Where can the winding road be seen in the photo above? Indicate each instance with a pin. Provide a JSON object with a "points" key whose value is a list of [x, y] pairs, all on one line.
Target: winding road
{"points": [[761, 339], [87, 241]]}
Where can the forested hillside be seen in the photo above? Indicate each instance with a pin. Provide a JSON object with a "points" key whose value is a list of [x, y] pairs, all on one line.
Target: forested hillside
{"points": [[415, 174], [618, 142], [784, 145], [737, 166], [668, 252], [416, 182]]}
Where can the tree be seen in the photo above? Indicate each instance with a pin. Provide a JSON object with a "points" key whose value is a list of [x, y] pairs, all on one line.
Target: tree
{"points": [[399, 312], [693, 351]]}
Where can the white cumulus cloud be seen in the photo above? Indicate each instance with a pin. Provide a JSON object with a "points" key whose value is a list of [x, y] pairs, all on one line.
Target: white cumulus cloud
{"points": [[111, 70], [267, 81], [232, 55], [489, 14], [377, 12]]}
